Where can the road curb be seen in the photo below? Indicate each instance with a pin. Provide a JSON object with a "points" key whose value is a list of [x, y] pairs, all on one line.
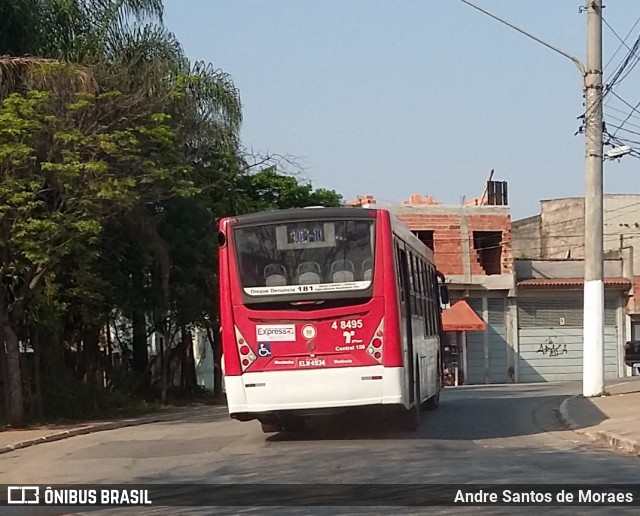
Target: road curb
{"points": [[601, 436], [615, 441], [565, 416], [101, 427]]}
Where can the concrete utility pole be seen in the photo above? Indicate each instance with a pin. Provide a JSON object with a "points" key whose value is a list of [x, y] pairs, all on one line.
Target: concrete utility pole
{"points": [[593, 314], [593, 324]]}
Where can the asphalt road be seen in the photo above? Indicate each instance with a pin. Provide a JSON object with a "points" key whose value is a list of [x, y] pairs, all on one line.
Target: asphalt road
{"points": [[484, 434]]}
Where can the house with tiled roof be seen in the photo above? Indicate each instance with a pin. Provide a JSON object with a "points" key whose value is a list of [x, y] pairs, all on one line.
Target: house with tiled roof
{"points": [[517, 286], [549, 263]]}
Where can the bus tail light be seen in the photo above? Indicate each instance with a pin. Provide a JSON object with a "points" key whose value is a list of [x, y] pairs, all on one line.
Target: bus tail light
{"points": [[375, 346], [246, 354]]}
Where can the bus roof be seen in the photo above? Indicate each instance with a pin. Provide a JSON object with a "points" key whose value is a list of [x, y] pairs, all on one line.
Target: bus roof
{"points": [[311, 211]]}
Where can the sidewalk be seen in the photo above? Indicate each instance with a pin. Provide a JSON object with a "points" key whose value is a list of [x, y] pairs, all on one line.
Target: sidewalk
{"points": [[11, 440], [611, 420]]}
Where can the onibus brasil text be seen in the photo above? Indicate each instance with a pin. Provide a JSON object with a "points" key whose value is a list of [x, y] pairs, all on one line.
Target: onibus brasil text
{"points": [[78, 496]]}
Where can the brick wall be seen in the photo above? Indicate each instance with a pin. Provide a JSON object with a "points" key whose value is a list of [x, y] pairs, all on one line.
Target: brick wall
{"points": [[360, 200], [425, 214], [448, 238], [493, 223]]}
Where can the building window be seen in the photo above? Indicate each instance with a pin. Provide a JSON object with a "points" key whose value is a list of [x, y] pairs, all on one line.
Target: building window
{"points": [[426, 237], [488, 247]]}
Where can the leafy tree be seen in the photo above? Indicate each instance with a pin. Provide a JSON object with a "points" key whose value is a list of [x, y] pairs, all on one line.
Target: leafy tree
{"points": [[269, 190], [112, 197], [66, 168]]}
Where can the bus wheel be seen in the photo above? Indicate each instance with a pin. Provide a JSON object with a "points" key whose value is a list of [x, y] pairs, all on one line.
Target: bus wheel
{"points": [[433, 402], [411, 417], [293, 424], [270, 428]]}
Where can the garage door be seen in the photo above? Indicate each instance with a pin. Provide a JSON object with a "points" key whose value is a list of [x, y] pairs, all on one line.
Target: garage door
{"points": [[550, 339], [492, 360]]}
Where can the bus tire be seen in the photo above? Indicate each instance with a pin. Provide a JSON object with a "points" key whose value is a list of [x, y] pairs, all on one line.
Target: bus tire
{"points": [[270, 428], [411, 417], [293, 424], [434, 401]]}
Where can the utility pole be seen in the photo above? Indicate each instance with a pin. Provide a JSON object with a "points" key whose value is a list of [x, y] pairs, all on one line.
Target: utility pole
{"points": [[593, 313], [593, 324]]}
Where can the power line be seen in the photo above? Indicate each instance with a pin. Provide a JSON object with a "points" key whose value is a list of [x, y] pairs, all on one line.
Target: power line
{"points": [[622, 111], [560, 247], [620, 128], [622, 41], [625, 102], [623, 121], [623, 66], [627, 119], [633, 52]]}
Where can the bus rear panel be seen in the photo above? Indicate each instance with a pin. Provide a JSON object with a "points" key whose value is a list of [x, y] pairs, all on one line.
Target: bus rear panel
{"points": [[310, 317]]}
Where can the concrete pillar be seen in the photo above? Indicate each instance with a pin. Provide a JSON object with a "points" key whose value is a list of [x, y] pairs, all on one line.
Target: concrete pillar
{"points": [[512, 339], [485, 316]]}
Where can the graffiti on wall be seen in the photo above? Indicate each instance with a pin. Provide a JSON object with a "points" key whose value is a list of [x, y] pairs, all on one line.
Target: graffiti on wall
{"points": [[551, 349]]}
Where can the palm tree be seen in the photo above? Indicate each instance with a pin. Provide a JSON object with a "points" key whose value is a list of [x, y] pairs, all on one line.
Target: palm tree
{"points": [[103, 45], [21, 74], [127, 46]]}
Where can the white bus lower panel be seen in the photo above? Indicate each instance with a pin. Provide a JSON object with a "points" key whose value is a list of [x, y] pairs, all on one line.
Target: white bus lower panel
{"points": [[314, 389]]}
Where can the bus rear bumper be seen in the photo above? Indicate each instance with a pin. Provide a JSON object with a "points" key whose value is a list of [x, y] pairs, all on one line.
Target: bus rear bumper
{"points": [[345, 387]]}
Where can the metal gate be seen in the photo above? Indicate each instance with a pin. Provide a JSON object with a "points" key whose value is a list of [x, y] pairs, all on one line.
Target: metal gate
{"points": [[550, 339], [487, 350]]}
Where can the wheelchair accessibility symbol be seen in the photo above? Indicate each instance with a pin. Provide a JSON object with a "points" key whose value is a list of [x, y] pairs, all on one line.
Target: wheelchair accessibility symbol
{"points": [[264, 350]]}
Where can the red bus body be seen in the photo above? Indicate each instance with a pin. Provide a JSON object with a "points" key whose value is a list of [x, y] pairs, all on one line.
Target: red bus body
{"points": [[373, 341]]}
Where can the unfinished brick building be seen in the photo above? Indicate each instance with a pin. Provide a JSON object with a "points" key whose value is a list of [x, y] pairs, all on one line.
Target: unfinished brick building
{"points": [[471, 243]]}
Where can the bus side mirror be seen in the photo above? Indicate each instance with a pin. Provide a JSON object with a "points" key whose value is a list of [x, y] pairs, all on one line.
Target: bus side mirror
{"points": [[222, 239], [444, 295]]}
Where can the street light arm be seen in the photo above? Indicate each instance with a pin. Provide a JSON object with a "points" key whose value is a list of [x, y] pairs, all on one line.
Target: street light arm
{"points": [[575, 60]]}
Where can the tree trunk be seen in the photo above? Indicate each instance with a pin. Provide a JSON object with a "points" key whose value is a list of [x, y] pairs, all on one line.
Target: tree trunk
{"points": [[5, 376], [164, 371], [140, 350], [160, 281], [91, 352], [15, 412], [216, 346], [188, 368], [108, 353], [37, 368]]}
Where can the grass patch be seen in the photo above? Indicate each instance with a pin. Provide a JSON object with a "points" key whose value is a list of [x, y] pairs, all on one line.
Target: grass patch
{"points": [[114, 406]]}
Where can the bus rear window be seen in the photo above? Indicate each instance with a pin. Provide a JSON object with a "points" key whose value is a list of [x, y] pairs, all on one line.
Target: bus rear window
{"points": [[305, 256]]}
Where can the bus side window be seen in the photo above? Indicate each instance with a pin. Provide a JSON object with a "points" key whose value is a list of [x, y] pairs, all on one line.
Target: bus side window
{"points": [[436, 302], [425, 298], [429, 278], [412, 284], [427, 318], [419, 289], [439, 329], [401, 285]]}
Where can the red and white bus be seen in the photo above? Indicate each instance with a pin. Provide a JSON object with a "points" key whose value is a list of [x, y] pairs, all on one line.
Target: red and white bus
{"points": [[327, 309]]}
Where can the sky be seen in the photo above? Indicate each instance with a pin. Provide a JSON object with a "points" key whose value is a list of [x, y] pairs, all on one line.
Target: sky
{"points": [[399, 97]]}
